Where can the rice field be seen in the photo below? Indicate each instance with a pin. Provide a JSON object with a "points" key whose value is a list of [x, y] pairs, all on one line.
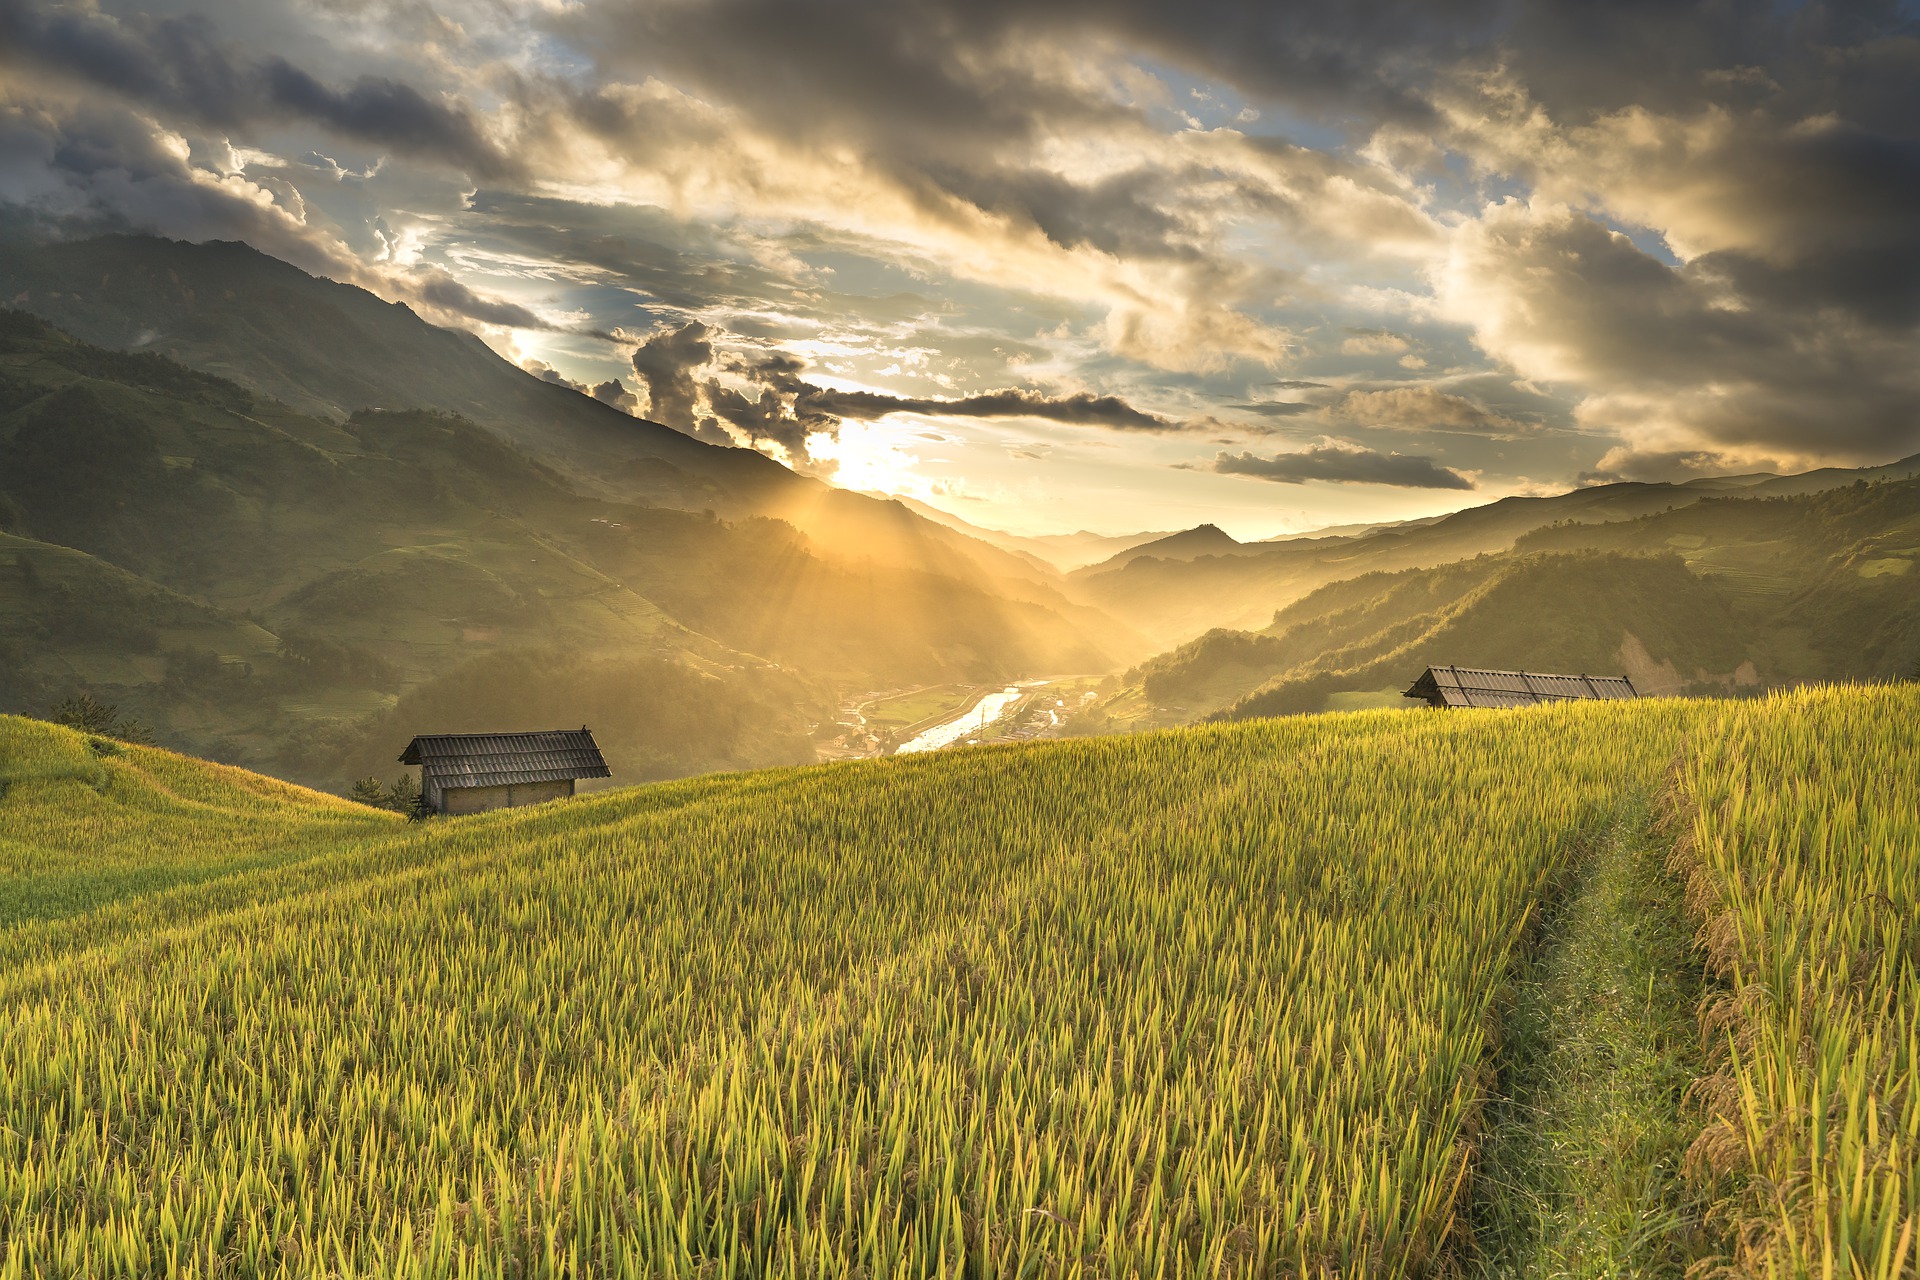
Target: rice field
{"points": [[1799, 824], [1219, 1001]]}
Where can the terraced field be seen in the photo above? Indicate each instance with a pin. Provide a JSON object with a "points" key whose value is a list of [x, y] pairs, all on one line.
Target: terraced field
{"points": [[1260, 999]]}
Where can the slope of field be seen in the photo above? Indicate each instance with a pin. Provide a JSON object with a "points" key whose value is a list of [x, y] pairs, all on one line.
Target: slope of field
{"points": [[1187, 1003], [89, 821]]}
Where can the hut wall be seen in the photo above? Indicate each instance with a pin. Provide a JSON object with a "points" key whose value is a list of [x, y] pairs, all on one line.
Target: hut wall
{"points": [[481, 799]]}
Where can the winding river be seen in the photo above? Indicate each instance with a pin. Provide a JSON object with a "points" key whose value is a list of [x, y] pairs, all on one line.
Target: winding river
{"points": [[973, 720]]}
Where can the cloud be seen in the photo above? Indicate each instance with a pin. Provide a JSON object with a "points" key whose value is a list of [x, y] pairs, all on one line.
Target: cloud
{"points": [[665, 362], [177, 66], [99, 166], [547, 373], [1670, 465], [1340, 463], [1375, 342], [1678, 358], [1080, 409], [1425, 408], [441, 290], [615, 393], [1275, 408]]}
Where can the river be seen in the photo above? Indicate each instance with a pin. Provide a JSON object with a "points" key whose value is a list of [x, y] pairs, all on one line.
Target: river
{"points": [[973, 720]]}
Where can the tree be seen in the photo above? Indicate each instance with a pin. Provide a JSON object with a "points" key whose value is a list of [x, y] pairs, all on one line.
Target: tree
{"points": [[368, 791], [404, 795], [89, 715]]}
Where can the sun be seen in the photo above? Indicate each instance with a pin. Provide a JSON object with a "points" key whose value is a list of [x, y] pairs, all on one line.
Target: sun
{"points": [[868, 457]]}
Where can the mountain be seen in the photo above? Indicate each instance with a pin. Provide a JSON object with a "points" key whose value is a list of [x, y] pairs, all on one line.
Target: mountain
{"points": [[1188, 544], [266, 585], [1731, 593], [1352, 530], [1177, 598], [329, 350]]}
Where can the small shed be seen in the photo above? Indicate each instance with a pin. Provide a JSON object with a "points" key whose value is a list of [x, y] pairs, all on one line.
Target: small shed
{"points": [[473, 772], [1476, 687]]}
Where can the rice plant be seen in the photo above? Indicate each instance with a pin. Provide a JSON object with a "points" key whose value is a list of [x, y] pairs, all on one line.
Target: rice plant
{"points": [[1205, 1002], [1801, 843]]}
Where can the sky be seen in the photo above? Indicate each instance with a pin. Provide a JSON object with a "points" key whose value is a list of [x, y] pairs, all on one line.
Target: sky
{"points": [[1055, 264]]}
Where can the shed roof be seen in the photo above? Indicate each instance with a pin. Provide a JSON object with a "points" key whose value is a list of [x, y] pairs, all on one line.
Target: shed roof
{"points": [[1477, 687], [497, 759]]}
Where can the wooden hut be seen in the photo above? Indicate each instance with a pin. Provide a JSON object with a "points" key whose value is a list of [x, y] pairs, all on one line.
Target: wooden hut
{"points": [[1476, 687], [473, 772]]}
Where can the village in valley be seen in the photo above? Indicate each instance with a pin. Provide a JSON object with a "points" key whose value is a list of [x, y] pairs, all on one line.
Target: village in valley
{"points": [[885, 722]]}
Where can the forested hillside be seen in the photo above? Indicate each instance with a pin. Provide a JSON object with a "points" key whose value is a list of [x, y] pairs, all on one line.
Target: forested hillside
{"points": [[1727, 594]]}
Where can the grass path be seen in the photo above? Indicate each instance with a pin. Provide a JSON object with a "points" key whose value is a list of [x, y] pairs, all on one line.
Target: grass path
{"points": [[1580, 1168]]}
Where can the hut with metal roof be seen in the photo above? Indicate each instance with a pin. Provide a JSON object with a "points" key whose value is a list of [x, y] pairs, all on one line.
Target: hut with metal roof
{"points": [[1476, 687], [473, 772]]}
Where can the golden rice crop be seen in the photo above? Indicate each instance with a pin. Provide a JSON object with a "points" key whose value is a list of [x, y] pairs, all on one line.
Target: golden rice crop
{"points": [[1803, 852], [1205, 1002]]}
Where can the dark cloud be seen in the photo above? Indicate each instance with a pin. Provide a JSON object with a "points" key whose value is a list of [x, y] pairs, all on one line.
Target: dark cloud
{"points": [[615, 393], [768, 417], [665, 362], [443, 291], [1582, 59], [547, 373], [1842, 208], [1677, 359], [1275, 408], [1342, 464], [179, 66], [97, 166], [1080, 409], [963, 71]]}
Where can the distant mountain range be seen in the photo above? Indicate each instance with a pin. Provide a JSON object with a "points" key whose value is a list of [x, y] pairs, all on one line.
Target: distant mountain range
{"points": [[1176, 597], [1748, 588]]}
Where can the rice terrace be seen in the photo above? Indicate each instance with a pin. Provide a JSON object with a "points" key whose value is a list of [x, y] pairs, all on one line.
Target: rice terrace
{"points": [[1249, 1000]]}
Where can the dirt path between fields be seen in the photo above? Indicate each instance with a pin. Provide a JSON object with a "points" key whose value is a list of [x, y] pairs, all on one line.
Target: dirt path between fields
{"points": [[1580, 1165]]}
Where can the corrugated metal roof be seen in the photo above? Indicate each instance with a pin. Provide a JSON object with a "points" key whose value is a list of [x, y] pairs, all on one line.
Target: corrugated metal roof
{"points": [[498, 759], [1477, 687]]}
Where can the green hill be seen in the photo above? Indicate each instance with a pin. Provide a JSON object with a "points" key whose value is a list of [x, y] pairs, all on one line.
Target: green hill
{"points": [[1726, 594], [1369, 994]]}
